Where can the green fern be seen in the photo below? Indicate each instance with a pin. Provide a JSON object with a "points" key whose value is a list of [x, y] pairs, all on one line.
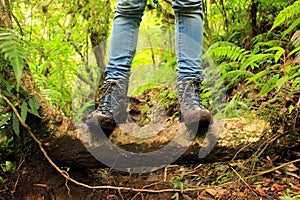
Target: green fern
{"points": [[287, 14], [296, 39], [24, 110], [5, 119], [34, 105], [255, 60], [236, 75], [291, 27], [269, 85], [11, 47], [16, 124], [226, 50], [259, 46]]}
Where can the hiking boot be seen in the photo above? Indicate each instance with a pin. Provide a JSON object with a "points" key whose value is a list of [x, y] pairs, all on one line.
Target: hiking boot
{"points": [[113, 104], [192, 111]]}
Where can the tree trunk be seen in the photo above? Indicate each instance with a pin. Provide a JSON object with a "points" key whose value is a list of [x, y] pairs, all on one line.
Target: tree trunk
{"points": [[5, 19], [253, 12]]}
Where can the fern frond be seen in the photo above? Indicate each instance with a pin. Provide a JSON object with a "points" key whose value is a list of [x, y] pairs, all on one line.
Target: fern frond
{"points": [[225, 67], [236, 76], [24, 111], [291, 27], [34, 105], [259, 46], [226, 50], [296, 39], [287, 14], [5, 119], [269, 85], [252, 61], [16, 124], [11, 47]]}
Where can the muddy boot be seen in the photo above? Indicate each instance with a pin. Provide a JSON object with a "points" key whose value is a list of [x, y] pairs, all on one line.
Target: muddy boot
{"points": [[193, 113], [113, 104]]}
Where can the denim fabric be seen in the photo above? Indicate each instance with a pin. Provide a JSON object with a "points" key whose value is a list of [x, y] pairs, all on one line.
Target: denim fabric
{"points": [[188, 37]]}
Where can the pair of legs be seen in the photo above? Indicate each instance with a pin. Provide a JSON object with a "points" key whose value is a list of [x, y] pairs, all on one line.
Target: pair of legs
{"points": [[188, 40], [189, 31]]}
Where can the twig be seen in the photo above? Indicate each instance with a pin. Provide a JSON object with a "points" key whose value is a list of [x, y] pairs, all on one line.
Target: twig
{"points": [[120, 193], [241, 149], [135, 196], [152, 184], [242, 179], [22, 160], [273, 169], [68, 178], [15, 185], [271, 140], [40, 185]]}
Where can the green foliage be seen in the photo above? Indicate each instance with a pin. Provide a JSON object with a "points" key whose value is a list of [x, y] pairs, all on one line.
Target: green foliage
{"points": [[258, 70], [8, 166], [5, 118], [289, 198], [61, 36], [11, 47], [287, 14]]}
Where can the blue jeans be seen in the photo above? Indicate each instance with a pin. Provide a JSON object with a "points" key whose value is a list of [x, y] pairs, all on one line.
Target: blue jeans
{"points": [[188, 37]]}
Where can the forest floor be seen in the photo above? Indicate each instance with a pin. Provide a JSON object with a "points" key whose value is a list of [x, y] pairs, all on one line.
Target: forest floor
{"points": [[266, 174]]}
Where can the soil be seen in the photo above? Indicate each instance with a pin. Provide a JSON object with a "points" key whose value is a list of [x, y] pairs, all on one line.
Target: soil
{"points": [[36, 179], [233, 170]]}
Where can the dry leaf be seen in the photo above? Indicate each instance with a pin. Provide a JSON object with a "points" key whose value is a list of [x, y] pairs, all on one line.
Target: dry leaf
{"points": [[240, 194], [277, 187], [295, 189], [266, 182], [290, 168], [261, 191], [212, 192]]}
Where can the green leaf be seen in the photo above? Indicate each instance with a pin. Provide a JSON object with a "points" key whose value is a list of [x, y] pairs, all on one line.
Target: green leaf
{"points": [[296, 83], [287, 14], [291, 27], [257, 76], [269, 85], [13, 51], [278, 54], [250, 62], [24, 110], [34, 105], [294, 51], [5, 119], [281, 81], [16, 124]]}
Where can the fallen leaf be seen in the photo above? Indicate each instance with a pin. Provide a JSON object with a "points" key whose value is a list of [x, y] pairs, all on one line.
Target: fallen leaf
{"points": [[240, 194], [293, 174], [290, 168], [212, 192], [277, 187], [266, 182], [186, 197], [261, 191], [295, 188]]}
